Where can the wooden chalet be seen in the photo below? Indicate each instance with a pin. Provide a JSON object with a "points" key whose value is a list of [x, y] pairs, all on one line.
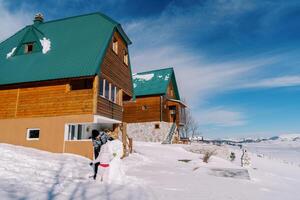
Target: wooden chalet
{"points": [[61, 79], [157, 113]]}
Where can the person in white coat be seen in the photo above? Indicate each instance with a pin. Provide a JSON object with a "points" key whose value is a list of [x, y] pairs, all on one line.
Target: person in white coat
{"points": [[245, 159], [104, 158]]}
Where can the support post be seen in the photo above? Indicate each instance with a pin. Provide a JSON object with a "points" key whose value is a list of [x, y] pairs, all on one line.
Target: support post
{"points": [[130, 145], [95, 93], [124, 139]]}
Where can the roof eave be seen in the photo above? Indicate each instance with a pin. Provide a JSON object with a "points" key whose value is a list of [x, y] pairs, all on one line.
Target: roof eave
{"points": [[123, 34]]}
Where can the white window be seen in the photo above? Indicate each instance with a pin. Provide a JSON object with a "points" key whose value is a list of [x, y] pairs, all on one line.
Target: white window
{"points": [[101, 87], [113, 93], [33, 134], [115, 45], [107, 90], [77, 132]]}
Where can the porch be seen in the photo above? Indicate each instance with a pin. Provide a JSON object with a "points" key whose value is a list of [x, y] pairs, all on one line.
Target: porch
{"points": [[78, 136]]}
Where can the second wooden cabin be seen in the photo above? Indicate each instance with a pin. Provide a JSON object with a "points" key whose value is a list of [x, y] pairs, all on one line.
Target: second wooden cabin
{"points": [[157, 114]]}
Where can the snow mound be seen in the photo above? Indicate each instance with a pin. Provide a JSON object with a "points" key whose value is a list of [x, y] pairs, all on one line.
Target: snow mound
{"points": [[46, 44]]}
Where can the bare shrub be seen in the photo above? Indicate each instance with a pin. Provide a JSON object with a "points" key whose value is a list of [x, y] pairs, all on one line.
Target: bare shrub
{"points": [[207, 155]]}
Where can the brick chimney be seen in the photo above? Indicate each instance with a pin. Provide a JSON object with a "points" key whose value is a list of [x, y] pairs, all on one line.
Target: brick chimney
{"points": [[38, 18]]}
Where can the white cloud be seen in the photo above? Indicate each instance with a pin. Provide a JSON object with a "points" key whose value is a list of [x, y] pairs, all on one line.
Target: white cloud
{"points": [[197, 78], [220, 116], [283, 81], [12, 21]]}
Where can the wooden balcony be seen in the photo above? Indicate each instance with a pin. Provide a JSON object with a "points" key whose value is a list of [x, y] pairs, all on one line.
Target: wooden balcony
{"points": [[109, 109]]}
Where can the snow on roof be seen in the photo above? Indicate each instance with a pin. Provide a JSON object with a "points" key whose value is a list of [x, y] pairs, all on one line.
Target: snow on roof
{"points": [[11, 53], [144, 77], [167, 77], [154, 82], [46, 44]]}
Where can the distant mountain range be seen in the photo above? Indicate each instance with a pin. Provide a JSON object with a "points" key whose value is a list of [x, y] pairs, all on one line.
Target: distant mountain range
{"points": [[286, 137]]}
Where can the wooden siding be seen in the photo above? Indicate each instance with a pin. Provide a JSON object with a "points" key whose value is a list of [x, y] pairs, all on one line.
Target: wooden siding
{"points": [[45, 101], [133, 111], [8, 99], [114, 69], [109, 109]]}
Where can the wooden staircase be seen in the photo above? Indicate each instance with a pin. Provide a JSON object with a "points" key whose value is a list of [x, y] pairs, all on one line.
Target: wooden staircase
{"points": [[172, 132]]}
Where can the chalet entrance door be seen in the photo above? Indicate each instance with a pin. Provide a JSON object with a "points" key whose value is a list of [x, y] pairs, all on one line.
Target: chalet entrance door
{"points": [[172, 111]]}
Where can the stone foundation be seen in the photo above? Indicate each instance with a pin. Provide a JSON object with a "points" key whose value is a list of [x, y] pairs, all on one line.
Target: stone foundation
{"points": [[148, 131]]}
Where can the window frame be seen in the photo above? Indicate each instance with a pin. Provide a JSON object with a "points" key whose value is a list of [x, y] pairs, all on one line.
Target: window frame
{"points": [[32, 129], [113, 92], [110, 90], [103, 87], [68, 134], [106, 83]]}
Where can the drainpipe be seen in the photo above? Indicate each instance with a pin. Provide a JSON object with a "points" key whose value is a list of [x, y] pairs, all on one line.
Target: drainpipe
{"points": [[161, 101]]}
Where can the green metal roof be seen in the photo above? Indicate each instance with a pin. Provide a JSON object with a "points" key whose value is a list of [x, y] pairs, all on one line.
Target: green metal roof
{"points": [[154, 82], [78, 45]]}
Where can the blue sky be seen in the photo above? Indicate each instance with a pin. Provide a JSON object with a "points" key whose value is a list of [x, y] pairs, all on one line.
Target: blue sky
{"points": [[236, 61]]}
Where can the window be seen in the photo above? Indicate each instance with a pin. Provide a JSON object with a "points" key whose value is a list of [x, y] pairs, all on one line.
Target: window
{"points": [[81, 84], [171, 93], [125, 59], [28, 48], [115, 45], [101, 87], [76, 132], [156, 126], [106, 89], [113, 93], [33, 134]]}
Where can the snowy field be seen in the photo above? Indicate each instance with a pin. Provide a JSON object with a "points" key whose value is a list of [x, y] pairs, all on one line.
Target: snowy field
{"points": [[282, 150], [154, 171]]}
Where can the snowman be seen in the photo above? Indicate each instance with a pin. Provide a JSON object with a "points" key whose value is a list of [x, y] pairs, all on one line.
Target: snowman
{"points": [[116, 172]]}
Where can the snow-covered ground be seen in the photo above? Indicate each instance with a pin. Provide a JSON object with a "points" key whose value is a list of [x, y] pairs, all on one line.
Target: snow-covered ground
{"points": [[154, 171]]}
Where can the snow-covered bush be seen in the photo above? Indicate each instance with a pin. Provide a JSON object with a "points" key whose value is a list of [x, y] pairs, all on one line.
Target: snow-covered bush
{"points": [[232, 156], [220, 151], [207, 155]]}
